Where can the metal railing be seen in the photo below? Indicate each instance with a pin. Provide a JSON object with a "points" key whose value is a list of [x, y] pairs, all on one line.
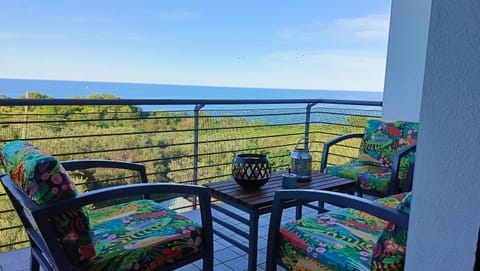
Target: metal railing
{"points": [[184, 141]]}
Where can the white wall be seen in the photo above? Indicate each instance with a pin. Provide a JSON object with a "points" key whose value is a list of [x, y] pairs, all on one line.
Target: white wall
{"points": [[407, 45], [445, 215]]}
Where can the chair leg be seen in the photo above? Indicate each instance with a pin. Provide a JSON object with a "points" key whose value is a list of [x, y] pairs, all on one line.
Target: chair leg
{"points": [[34, 265], [359, 192], [358, 189], [271, 266], [208, 263]]}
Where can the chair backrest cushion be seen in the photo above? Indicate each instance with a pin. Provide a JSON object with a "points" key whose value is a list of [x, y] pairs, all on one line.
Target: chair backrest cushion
{"points": [[38, 174], [383, 139], [44, 180]]}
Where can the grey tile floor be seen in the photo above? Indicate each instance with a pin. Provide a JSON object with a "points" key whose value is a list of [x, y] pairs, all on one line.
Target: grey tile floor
{"points": [[227, 257]]}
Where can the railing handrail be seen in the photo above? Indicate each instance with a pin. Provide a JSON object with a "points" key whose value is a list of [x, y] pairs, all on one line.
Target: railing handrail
{"points": [[33, 102]]}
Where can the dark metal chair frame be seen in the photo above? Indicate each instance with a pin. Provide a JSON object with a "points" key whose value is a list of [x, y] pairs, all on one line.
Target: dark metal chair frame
{"points": [[395, 165], [45, 249], [282, 197]]}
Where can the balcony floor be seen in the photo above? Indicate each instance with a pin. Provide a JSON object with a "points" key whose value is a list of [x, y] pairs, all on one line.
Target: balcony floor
{"points": [[226, 256]]}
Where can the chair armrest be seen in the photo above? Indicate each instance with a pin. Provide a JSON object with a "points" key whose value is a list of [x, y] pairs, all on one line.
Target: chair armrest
{"points": [[396, 166], [121, 191], [335, 198], [98, 163], [328, 144], [338, 199]]}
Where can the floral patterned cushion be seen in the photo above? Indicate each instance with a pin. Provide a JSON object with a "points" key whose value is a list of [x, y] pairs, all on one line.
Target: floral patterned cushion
{"points": [[45, 181], [141, 235], [382, 140], [343, 239]]}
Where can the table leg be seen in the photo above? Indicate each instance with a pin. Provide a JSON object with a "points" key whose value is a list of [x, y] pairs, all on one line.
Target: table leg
{"points": [[253, 242], [298, 211]]}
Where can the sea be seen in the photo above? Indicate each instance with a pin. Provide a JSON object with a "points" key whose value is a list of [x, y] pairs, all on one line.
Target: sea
{"points": [[15, 88]]}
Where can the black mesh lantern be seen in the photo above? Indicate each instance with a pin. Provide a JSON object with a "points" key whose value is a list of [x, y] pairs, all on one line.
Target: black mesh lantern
{"points": [[251, 171]]}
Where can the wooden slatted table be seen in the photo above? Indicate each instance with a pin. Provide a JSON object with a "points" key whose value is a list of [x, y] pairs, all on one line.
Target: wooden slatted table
{"points": [[259, 202]]}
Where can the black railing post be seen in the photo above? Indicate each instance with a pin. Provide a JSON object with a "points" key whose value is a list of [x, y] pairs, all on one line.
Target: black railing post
{"points": [[307, 123], [197, 109]]}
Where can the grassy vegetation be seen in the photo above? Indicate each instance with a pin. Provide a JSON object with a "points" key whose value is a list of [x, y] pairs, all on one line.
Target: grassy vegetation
{"points": [[163, 141]]}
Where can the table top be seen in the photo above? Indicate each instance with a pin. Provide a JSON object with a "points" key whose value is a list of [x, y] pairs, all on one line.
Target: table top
{"points": [[230, 191]]}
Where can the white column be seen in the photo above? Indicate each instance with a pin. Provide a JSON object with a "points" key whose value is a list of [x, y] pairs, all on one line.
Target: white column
{"points": [[445, 215], [407, 43]]}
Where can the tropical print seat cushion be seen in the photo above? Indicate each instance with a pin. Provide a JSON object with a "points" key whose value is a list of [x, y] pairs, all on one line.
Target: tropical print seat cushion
{"points": [[344, 239], [369, 177], [141, 235], [45, 181]]}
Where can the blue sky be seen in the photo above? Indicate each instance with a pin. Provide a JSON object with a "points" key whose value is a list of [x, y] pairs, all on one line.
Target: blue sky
{"points": [[308, 44]]}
